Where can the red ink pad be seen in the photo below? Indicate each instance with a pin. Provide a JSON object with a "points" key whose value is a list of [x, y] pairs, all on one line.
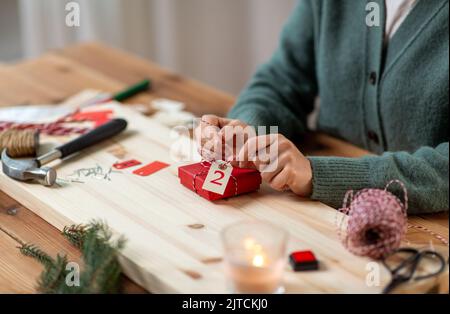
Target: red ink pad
{"points": [[303, 260]]}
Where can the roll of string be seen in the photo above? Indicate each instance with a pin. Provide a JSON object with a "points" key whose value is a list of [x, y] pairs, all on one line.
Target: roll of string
{"points": [[377, 221], [19, 143]]}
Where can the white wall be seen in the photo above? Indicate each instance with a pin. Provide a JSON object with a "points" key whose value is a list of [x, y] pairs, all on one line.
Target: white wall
{"points": [[220, 42], [10, 40]]}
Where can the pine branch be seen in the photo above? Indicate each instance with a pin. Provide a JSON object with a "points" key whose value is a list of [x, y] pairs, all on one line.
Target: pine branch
{"points": [[53, 276], [101, 273], [33, 251], [75, 234]]}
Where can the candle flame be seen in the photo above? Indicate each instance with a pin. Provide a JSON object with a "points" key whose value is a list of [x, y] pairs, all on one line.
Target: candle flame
{"points": [[258, 260]]}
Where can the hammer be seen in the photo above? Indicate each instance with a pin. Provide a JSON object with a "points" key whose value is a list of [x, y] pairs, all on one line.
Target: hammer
{"points": [[32, 169]]}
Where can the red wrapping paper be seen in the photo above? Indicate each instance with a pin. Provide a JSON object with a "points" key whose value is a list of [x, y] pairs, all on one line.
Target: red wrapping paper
{"points": [[247, 180]]}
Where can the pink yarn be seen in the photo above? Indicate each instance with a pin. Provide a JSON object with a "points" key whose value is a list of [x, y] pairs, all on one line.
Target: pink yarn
{"points": [[377, 221]]}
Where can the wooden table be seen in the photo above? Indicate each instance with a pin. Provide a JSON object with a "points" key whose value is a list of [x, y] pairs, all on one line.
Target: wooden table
{"points": [[62, 73]]}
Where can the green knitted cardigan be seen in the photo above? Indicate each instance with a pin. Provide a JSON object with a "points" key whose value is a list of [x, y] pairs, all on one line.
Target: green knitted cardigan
{"points": [[390, 99]]}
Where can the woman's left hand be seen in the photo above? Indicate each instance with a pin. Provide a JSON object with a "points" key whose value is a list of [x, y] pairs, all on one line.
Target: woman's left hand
{"points": [[280, 162]]}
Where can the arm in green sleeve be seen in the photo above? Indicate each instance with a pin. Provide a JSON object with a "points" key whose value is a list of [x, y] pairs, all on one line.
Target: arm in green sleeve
{"points": [[282, 92], [425, 174]]}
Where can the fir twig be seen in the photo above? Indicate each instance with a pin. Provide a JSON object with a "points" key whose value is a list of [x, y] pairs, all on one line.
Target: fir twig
{"points": [[75, 234], [53, 277], [101, 273], [36, 253]]}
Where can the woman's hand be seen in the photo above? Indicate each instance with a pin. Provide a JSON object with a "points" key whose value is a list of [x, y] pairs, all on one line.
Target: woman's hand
{"points": [[221, 138], [280, 162]]}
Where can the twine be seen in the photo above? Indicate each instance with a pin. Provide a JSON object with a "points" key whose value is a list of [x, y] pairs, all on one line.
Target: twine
{"points": [[19, 143], [56, 128], [439, 237], [377, 221]]}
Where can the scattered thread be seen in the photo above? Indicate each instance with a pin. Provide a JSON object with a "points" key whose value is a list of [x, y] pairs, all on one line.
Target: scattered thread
{"points": [[430, 232], [19, 143], [376, 223]]}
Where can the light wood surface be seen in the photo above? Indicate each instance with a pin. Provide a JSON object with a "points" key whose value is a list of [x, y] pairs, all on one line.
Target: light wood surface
{"points": [[60, 74], [163, 253]]}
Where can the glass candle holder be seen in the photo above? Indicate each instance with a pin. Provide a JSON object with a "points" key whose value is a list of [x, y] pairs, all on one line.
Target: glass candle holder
{"points": [[254, 257]]}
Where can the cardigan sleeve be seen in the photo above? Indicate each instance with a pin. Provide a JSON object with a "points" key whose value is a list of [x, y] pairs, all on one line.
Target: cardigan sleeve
{"points": [[425, 174], [282, 91]]}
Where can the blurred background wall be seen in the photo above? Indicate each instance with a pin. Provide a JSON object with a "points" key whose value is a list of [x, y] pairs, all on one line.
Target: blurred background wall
{"points": [[220, 42]]}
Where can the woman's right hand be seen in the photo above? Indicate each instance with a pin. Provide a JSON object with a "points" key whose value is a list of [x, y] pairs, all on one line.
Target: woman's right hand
{"points": [[221, 138]]}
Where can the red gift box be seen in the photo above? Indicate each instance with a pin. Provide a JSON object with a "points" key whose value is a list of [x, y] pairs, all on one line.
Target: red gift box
{"points": [[241, 181]]}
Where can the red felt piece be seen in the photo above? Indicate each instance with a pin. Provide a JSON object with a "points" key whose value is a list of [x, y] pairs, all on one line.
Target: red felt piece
{"points": [[126, 164], [248, 180], [98, 117], [150, 168]]}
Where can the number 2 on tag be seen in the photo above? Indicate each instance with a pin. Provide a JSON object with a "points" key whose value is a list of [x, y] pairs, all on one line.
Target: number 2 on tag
{"points": [[217, 179]]}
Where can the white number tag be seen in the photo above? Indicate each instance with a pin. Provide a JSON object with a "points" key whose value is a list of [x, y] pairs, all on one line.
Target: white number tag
{"points": [[218, 176]]}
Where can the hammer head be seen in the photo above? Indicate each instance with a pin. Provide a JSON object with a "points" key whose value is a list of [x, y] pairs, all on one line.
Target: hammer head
{"points": [[27, 170]]}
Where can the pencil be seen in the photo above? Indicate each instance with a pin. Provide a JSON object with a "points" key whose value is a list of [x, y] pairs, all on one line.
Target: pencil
{"points": [[132, 90], [120, 96]]}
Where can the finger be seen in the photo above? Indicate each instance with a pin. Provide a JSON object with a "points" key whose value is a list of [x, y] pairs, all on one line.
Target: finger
{"points": [[234, 127], [268, 176], [215, 120], [210, 119], [212, 149], [272, 162], [249, 151], [234, 135], [210, 140], [206, 132], [280, 181], [270, 170], [209, 126]]}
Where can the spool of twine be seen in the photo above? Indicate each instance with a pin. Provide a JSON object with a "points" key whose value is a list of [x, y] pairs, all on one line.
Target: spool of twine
{"points": [[377, 221], [19, 143]]}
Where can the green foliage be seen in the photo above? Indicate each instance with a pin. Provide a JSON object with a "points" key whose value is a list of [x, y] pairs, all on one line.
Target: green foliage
{"points": [[101, 271], [33, 251]]}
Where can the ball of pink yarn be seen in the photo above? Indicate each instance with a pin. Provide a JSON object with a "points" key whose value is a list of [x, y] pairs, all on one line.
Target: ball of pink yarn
{"points": [[377, 222]]}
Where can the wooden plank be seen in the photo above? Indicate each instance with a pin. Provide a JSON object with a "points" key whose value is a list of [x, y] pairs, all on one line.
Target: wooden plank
{"points": [[61, 77], [154, 214], [16, 270], [18, 273], [34, 84], [52, 79], [18, 90]]}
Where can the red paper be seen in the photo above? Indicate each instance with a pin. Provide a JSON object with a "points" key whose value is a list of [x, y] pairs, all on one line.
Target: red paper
{"points": [[98, 117], [248, 180], [126, 164], [150, 168]]}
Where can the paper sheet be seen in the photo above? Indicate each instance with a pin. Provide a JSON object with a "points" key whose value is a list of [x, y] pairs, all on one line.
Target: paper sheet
{"points": [[46, 113]]}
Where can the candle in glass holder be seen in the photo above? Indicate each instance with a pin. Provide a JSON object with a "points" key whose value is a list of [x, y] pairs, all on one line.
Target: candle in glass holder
{"points": [[254, 257]]}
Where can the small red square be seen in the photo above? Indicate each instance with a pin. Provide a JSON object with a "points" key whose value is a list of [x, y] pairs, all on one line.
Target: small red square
{"points": [[303, 260], [303, 256]]}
